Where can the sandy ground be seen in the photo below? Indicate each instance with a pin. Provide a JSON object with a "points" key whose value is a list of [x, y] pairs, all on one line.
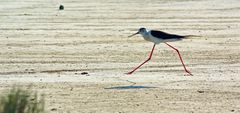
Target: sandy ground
{"points": [[50, 50]]}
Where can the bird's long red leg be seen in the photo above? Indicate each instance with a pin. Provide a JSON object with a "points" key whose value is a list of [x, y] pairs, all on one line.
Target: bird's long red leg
{"points": [[150, 56], [180, 57]]}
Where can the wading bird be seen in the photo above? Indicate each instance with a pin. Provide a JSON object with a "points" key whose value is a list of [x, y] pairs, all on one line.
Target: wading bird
{"points": [[160, 37]]}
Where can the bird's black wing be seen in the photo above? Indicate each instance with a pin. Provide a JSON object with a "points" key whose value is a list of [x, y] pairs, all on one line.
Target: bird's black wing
{"points": [[163, 35]]}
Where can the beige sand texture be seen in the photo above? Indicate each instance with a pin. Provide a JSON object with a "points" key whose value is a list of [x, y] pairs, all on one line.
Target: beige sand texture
{"points": [[50, 49]]}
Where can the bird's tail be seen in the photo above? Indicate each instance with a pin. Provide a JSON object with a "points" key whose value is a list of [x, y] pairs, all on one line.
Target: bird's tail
{"points": [[192, 36]]}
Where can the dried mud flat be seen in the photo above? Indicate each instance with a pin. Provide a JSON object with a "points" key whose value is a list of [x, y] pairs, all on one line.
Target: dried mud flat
{"points": [[78, 56]]}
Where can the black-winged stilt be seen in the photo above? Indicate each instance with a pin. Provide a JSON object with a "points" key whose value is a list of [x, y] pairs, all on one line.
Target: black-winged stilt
{"points": [[159, 37]]}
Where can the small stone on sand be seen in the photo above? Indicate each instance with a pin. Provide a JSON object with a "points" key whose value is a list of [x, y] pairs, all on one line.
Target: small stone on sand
{"points": [[84, 73], [61, 7]]}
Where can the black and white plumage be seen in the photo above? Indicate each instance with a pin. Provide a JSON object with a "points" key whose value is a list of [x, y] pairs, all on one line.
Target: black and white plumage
{"points": [[158, 36], [164, 35]]}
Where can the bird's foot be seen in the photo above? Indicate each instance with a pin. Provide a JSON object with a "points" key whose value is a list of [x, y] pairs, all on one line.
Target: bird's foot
{"points": [[188, 73], [129, 73]]}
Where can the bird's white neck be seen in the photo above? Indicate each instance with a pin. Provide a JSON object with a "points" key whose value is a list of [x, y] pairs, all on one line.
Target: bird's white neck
{"points": [[145, 34]]}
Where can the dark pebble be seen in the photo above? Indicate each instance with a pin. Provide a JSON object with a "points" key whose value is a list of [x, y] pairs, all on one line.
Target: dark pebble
{"points": [[200, 91], [61, 7], [54, 109], [84, 73]]}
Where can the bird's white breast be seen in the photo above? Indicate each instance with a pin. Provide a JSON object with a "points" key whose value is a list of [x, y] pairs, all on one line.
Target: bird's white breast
{"points": [[147, 36]]}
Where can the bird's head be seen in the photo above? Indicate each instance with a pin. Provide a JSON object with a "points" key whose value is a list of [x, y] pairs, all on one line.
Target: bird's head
{"points": [[140, 31]]}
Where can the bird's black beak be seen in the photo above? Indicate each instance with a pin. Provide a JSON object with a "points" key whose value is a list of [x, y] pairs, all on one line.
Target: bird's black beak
{"points": [[133, 34]]}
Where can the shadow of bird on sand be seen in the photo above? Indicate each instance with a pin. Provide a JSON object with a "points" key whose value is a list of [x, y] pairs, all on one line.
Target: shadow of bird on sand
{"points": [[130, 87]]}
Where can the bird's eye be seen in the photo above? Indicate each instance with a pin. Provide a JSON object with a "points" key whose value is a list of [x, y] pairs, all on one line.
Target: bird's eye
{"points": [[141, 30]]}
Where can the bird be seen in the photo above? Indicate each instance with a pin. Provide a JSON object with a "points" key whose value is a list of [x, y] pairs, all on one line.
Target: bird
{"points": [[158, 37]]}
